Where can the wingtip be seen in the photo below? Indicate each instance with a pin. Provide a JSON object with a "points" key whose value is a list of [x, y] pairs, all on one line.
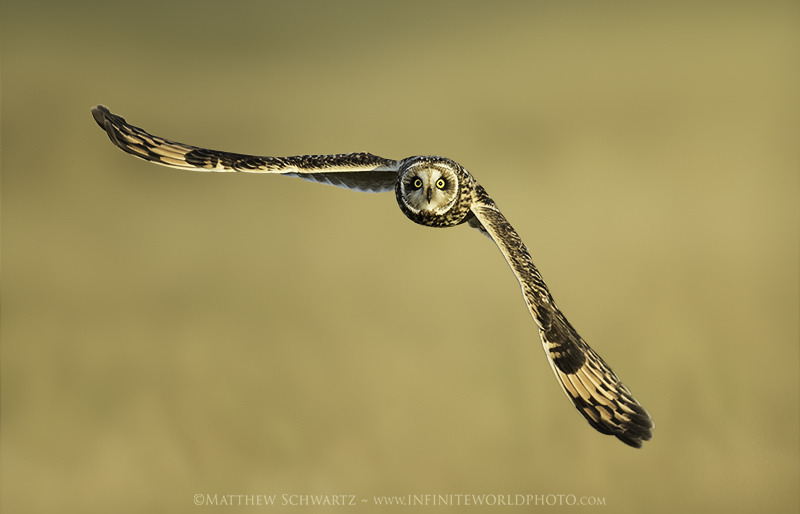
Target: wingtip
{"points": [[639, 432], [110, 123], [634, 440], [100, 113]]}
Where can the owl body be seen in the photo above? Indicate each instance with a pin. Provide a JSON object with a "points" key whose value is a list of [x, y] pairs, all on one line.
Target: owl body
{"points": [[436, 192]]}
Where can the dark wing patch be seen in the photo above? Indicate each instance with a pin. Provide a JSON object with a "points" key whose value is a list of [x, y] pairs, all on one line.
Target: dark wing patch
{"points": [[368, 182], [359, 171], [597, 393]]}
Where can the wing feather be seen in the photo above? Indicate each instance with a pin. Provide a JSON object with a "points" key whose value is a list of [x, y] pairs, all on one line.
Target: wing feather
{"points": [[359, 171], [595, 390]]}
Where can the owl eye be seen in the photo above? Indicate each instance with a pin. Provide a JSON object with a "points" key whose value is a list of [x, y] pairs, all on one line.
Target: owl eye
{"points": [[440, 183], [417, 183]]}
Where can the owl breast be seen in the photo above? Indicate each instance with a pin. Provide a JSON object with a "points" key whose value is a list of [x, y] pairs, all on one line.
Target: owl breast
{"points": [[434, 191]]}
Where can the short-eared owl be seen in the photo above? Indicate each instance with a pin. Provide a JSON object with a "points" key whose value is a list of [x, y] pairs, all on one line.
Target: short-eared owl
{"points": [[437, 192]]}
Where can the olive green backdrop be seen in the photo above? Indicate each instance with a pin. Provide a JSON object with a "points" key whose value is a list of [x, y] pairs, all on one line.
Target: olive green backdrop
{"points": [[168, 333]]}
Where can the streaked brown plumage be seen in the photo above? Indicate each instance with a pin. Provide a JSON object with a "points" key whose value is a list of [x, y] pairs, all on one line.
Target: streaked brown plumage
{"points": [[437, 192]]}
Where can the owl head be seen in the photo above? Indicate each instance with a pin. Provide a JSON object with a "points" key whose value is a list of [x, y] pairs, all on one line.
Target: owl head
{"points": [[434, 191]]}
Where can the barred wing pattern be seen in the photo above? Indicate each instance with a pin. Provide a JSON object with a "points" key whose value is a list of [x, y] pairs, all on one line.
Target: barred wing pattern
{"points": [[592, 386], [597, 393], [359, 171]]}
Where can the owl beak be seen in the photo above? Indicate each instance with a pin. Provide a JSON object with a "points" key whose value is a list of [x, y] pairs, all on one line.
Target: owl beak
{"points": [[429, 194]]}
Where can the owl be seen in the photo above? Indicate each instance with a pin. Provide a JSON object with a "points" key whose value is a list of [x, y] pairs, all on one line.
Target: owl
{"points": [[436, 192]]}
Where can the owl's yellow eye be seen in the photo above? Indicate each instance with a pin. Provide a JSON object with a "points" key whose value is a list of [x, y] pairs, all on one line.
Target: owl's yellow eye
{"points": [[417, 183], [440, 183]]}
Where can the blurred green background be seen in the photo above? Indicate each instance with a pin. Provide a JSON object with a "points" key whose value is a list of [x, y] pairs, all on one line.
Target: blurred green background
{"points": [[168, 333]]}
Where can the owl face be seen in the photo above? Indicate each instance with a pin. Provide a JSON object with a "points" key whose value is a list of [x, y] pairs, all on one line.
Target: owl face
{"points": [[429, 188]]}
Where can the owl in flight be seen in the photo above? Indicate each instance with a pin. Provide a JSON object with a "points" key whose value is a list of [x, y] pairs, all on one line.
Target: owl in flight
{"points": [[436, 192]]}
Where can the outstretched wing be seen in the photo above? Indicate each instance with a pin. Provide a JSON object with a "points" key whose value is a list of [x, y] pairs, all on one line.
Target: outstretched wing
{"points": [[358, 171], [589, 382]]}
